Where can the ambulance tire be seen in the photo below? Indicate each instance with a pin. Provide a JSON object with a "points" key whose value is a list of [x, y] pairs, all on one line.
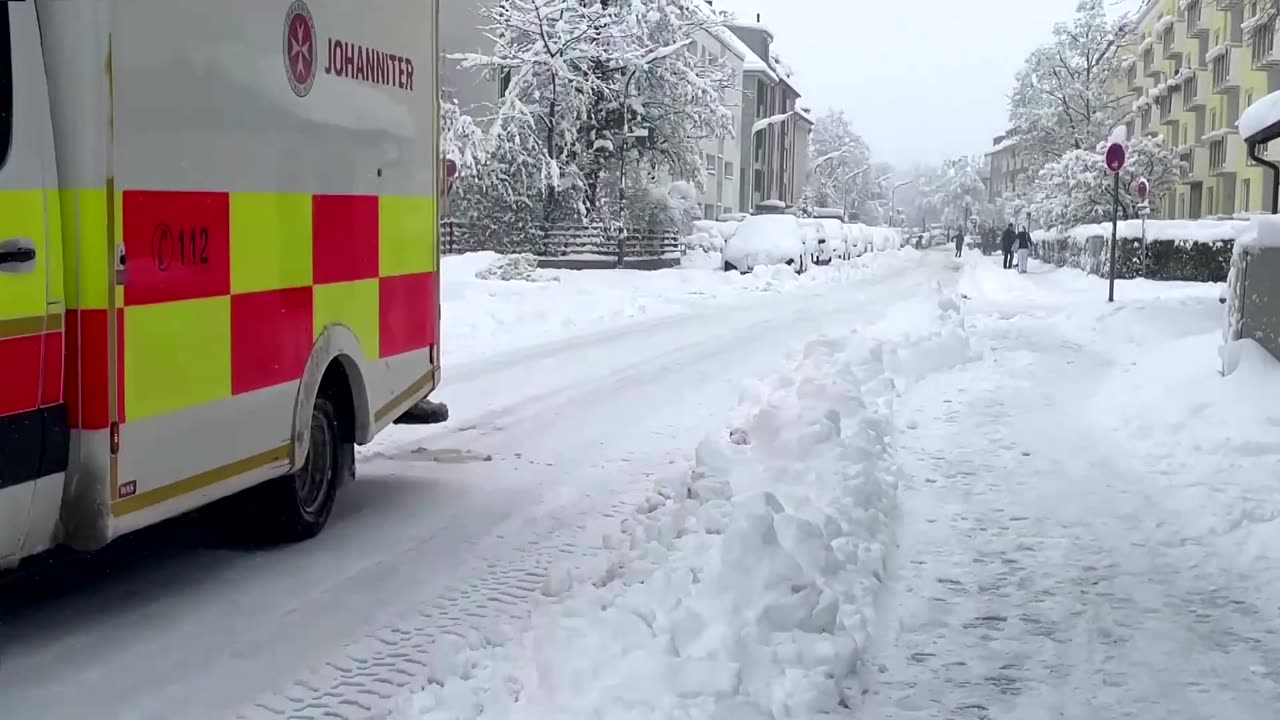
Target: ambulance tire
{"points": [[297, 506]]}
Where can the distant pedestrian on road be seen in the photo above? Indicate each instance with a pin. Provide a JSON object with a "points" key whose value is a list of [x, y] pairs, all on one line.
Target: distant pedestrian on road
{"points": [[1007, 239], [959, 242], [1024, 249]]}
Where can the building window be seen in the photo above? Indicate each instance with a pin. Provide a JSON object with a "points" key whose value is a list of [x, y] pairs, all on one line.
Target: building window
{"points": [[1217, 154], [758, 176], [1245, 187], [728, 171], [1213, 120], [1221, 69], [711, 164], [1209, 207], [709, 212]]}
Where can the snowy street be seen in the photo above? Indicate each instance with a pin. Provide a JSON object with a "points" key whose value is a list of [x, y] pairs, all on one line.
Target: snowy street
{"points": [[446, 532], [907, 487]]}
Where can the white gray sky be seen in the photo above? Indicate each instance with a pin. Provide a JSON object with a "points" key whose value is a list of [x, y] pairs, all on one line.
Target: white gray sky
{"points": [[921, 80]]}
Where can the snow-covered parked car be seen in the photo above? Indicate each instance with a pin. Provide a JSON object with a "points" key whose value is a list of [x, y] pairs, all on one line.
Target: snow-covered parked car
{"points": [[859, 239], [831, 221], [825, 240], [760, 240]]}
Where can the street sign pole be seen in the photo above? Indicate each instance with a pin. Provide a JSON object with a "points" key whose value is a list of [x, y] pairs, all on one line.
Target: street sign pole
{"points": [[1115, 163], [1115, 223]]}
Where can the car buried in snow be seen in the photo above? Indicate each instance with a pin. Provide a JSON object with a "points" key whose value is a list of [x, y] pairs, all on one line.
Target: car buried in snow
{"points": [[763, 240]]}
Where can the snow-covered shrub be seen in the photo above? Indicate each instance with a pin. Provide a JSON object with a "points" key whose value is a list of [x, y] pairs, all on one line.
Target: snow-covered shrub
{"points": [[1191, 250]]}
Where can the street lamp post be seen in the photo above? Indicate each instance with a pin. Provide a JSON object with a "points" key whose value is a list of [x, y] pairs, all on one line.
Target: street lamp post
{"points": [[760, 126], [844, 191], [892, 193]]}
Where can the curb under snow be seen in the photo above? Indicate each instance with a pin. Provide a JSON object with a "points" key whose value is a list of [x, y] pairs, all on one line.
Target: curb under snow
{"points": [[744, 591]]}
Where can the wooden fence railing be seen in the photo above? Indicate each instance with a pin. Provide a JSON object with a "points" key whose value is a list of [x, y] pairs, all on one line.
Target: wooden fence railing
{"points": [[560, 241]]}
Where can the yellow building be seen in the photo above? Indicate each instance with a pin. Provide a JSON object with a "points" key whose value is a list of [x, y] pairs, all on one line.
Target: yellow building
{"points": [[1193, 66]]}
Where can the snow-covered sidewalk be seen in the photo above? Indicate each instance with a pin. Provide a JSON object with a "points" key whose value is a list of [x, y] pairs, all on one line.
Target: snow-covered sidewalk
{"points": [[1089, 516], [745, 589]]}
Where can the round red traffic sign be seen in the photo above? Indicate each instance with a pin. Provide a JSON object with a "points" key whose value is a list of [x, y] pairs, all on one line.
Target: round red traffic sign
{"points": [[1115, 157], [450, 168], [1143, 188]]}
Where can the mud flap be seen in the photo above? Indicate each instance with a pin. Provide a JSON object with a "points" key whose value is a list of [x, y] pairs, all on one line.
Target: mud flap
{"points": [[426, 412]]}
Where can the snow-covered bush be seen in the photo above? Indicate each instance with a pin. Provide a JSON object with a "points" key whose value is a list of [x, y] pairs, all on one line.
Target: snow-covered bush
{"points": [[1192, 250]]}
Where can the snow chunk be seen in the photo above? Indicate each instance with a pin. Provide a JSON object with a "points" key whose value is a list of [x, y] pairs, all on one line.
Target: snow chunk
{"points": [[1263, 113], [510, 267]]}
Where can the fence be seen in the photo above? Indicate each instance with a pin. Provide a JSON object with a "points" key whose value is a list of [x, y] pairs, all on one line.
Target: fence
{"points": [[565, 242]]}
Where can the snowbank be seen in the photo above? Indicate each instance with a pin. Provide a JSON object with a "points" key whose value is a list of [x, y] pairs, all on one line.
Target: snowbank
{"points": [[744, 590], [1211, 438], [1177, 230]]}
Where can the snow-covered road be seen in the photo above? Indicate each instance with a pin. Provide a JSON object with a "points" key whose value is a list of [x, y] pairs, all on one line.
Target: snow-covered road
{"points": [[447, 532], [1090, 517]]}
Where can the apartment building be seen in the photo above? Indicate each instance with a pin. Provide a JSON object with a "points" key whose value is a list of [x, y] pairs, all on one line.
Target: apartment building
{"points": [[1006, 166], [776, 153], [1194, 66], [722, 193]]}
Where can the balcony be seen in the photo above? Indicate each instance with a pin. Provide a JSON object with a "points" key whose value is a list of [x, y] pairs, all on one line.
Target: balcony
{"points": [[1169, 48], [1224, 158], [1195, 92], [1229, 4], [1263, 52], [1225, 69], [1197, 159], [1196, 27]]}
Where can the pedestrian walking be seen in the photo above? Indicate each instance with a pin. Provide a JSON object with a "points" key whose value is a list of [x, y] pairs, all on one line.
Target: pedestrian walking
{"points": [[959, 238], [1007, 239], [1024, 249]]}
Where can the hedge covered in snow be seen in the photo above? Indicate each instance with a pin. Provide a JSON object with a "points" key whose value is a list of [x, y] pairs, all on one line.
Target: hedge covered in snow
{"points": [[1193, 250]]}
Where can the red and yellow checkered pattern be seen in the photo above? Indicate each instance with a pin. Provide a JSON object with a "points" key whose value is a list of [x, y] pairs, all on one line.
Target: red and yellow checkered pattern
{"points": [[226, 292]]}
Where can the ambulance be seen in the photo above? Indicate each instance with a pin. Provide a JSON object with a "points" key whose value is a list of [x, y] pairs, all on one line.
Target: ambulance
{"points": [[218, 257]]}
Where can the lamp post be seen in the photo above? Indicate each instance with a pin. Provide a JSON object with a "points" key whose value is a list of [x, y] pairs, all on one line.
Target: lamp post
{"points": [[894, 192], [845, 193], [760, 126]]}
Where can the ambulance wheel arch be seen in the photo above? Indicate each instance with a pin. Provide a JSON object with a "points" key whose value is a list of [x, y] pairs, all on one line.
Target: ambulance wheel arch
{"points": [[336, 346]]}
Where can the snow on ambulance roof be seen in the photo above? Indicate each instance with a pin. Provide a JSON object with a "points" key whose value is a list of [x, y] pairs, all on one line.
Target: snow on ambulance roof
{"points": [[1260, 115]]}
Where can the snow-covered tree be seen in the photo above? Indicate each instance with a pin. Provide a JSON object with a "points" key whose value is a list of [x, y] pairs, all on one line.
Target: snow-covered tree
{"points": [[836, 155], [954, 192], [574, 69], [1063, 98], [1077, 188]]}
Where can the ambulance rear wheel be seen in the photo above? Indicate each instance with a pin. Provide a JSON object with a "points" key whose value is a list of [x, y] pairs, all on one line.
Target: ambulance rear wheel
{"points": [[299, 504]]}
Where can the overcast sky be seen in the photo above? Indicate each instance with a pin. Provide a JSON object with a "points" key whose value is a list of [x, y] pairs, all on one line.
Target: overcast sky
{"points": [[921, 80]]}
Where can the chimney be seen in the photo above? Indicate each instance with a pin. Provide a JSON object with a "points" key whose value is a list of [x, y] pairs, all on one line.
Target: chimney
{"points": [[757, 17]]}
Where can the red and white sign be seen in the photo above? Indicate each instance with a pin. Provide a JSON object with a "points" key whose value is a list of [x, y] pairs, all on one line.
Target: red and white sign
{"points": [[1143, 188], [359, 62], [300, 48], [1115, 157], [450, 168]]}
